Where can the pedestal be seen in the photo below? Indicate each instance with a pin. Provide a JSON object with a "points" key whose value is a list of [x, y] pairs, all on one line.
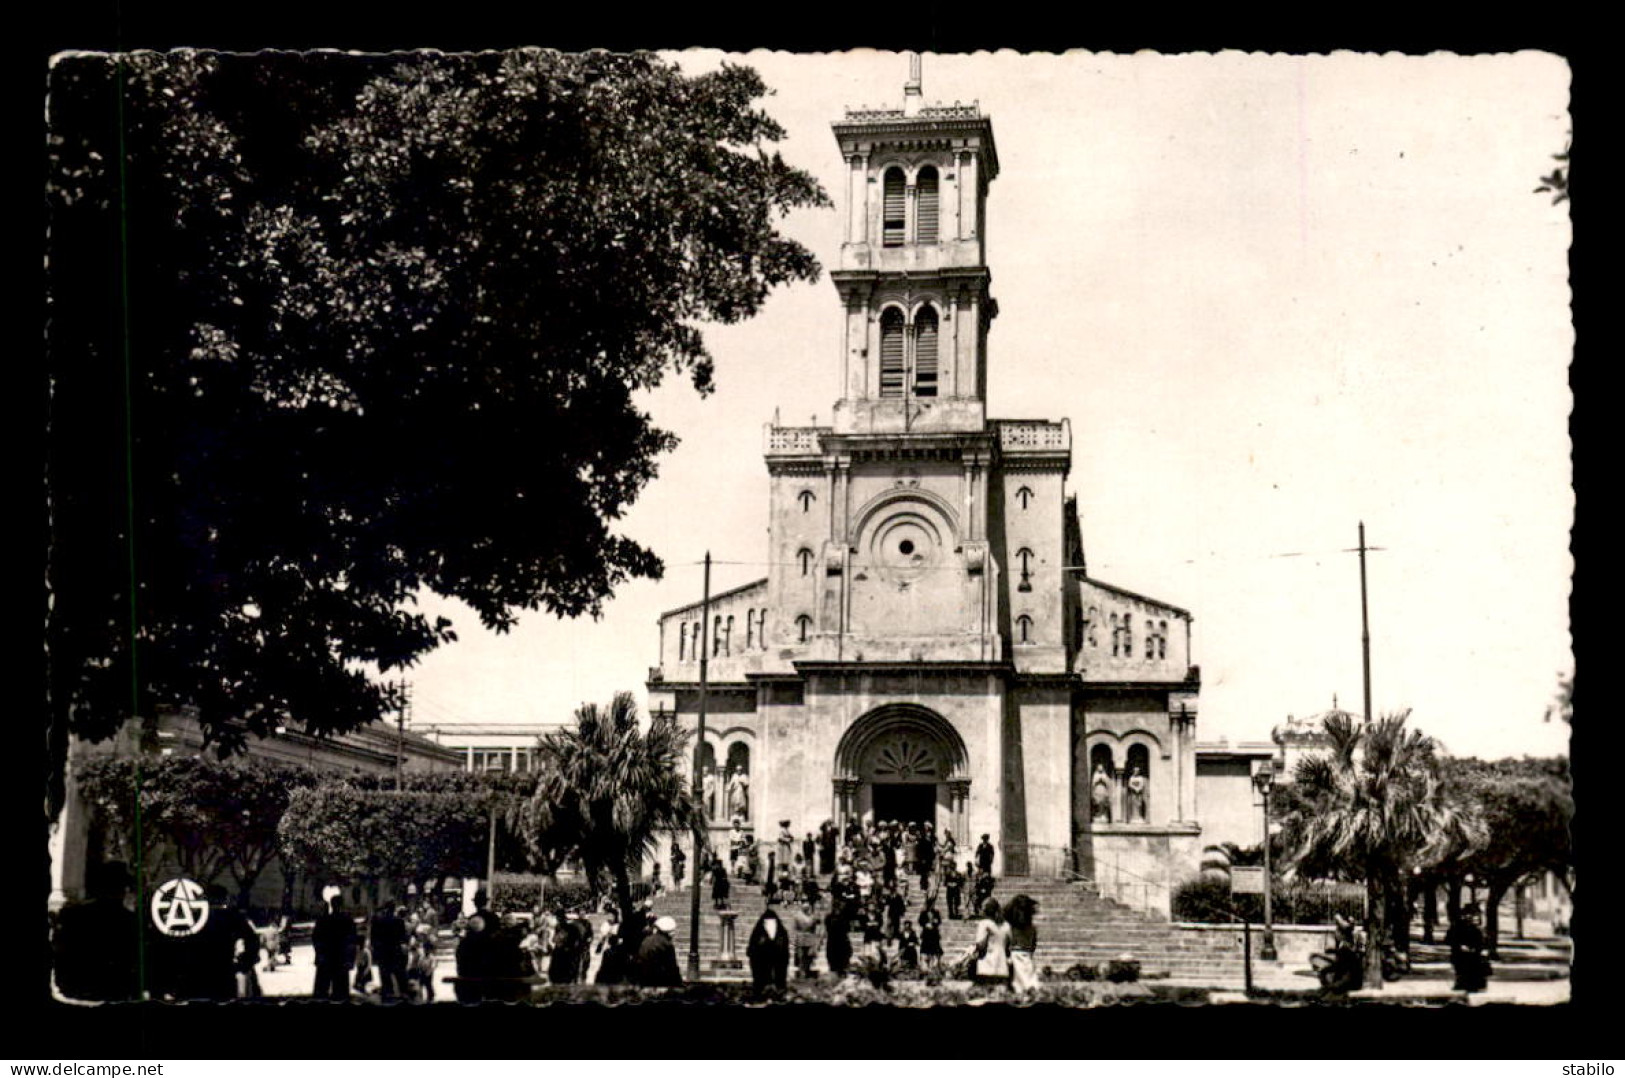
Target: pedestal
{"points": [[728, 955]]}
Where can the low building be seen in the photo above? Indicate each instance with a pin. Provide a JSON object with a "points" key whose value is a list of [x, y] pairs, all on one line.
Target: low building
{"points": [[374, 749], [489, 746]]}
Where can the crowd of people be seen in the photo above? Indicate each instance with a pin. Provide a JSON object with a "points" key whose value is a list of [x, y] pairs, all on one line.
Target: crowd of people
{"points": [[887, 885]]}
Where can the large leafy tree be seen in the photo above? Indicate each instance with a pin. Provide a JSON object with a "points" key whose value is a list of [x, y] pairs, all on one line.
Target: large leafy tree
{"points": [[365, 828], [610, 788], [1527, 806], [1373, 808], [327, 331], [217, 817]]}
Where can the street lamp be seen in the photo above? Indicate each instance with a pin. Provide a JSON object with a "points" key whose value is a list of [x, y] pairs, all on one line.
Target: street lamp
{"points": [[1265, 780]]}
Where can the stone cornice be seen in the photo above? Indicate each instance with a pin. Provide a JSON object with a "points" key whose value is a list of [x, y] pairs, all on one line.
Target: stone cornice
{"points": [[809, 667]]}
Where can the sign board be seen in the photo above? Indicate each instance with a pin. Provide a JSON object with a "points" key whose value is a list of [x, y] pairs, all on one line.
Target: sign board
{"points": [[180, 907], [1246, 879]]}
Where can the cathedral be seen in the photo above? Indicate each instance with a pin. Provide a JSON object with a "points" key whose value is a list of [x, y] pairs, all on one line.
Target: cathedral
{"points": [[928, 644]]}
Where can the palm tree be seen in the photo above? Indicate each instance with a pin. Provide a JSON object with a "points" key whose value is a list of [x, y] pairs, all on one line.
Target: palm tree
{"points": [[613, 789], [1374, 808]]}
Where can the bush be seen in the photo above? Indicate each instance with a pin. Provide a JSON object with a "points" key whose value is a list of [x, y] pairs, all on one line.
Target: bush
{"points": [[509, 895], [1083, 971], [1124, 969]]}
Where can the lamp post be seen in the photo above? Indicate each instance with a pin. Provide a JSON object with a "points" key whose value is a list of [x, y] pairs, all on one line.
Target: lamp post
{"points": [[1265, 780]]}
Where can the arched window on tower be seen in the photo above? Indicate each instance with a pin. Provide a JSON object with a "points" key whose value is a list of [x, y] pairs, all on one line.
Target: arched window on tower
{"points": [[891, 352], [925, 353], [1024, 629], [925, 213], [803, 628], [1024, 495], [1026, 557], [807, 498], [892, 225], [805, 557]]}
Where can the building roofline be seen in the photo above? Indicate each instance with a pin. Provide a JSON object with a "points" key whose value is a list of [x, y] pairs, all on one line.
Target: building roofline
{"points": [[1177, 610], [718, 597]]}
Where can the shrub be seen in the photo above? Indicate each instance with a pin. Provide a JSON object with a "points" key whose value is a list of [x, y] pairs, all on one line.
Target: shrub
{"points": [[1124, 969], [1083, 971]]}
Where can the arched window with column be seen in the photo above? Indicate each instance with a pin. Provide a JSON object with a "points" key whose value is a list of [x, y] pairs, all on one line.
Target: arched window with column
{"points": [[750, 628], [804, 557], [803, 628], [926, 201], [893, 210], [728, 637], [892, 363], [925, 352], [682, 641], [761, 629], [1024, 629]]}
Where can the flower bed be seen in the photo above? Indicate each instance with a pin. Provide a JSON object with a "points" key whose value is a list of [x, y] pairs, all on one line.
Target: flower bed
{"points": [[849, 992]]}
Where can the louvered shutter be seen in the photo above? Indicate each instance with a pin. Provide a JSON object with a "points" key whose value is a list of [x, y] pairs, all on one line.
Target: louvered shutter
{"points": [[925, 353], [891, 353], [926, 196], [892, 229]]}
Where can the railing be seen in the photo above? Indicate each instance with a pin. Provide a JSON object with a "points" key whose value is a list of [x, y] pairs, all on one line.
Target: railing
{"points": [[1034, 434], [1110, 880], [874, 114], [795, 439], [956, 111]]}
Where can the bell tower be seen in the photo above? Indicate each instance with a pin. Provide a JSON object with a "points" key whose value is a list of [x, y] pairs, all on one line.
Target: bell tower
{"points": [[913, 274]]}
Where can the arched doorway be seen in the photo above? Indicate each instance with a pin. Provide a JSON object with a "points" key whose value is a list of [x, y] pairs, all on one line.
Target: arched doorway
{"points": [[905, 763]]}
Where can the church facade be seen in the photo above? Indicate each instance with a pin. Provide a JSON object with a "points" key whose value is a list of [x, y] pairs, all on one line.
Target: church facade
{"points": [[927, 644]]}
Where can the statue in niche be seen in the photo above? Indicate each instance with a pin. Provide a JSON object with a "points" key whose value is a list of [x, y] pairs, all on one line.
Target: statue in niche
{"points": [[739, 795], [708, 795], [1136, 796], [1100, 795]]}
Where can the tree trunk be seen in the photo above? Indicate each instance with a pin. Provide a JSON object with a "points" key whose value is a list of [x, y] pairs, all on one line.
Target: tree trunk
{"points": [[1492, 918], [623, 895], [1375, 916], [1399, 917], [1452, 900], [1430, 910]]}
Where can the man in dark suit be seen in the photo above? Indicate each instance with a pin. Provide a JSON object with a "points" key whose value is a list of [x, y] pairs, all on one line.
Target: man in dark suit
{"points": [[984, 857], [95, 942], [335, 942], [387, 937]]}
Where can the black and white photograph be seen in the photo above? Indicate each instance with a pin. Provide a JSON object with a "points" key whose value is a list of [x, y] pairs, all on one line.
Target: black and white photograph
{"points": [[857, 529]]}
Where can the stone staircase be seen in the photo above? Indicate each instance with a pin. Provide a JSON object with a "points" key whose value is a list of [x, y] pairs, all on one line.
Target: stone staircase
{"points": [[1547, 959], [1075, 924]]}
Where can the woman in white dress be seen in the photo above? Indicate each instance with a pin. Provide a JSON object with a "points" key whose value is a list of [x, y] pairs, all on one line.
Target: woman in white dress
{"points": [[992, 946]]}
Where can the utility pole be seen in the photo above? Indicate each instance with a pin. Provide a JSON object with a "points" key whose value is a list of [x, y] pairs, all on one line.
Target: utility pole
{"points": [[698, 785], [1365, 626], [400, 732]]}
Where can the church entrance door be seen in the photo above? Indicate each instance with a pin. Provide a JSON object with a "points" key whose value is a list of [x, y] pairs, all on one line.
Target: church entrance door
{"points": [[905, 802]]}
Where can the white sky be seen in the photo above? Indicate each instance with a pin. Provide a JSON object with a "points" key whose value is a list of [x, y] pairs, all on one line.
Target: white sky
{"points": [[1275, 296]]}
